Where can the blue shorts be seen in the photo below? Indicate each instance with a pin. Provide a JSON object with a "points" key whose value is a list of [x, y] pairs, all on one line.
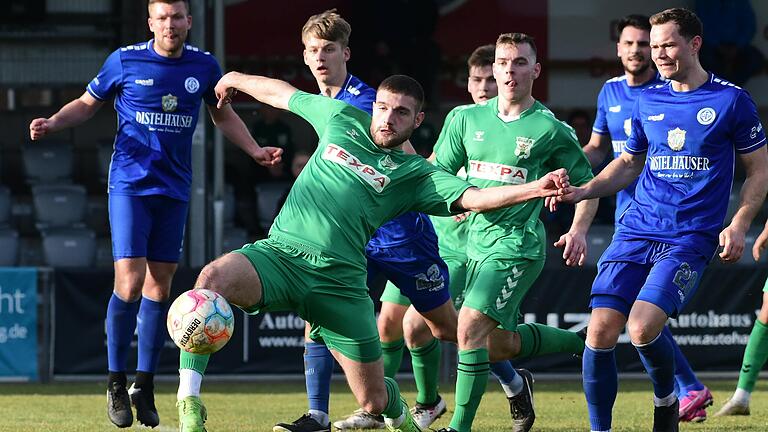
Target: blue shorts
{"points": [[416, 268], [150, 226], [663, 274]]}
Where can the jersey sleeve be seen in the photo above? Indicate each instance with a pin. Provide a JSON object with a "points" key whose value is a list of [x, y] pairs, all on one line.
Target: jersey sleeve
{"points": [[570, 156], [450, 153], [637, 142], [748, 133], [436, 190], [600, 126], [365, 101], [317, 110], [107, 83], [210, 96]]}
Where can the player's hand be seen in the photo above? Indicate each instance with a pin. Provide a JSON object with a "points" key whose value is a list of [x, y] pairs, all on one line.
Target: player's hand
{"points": [[732, 242], [572, 195], [268, 156], [39, 128], [225, 89], [574, 246], [553, 183], [461, 217], [760, 244]]}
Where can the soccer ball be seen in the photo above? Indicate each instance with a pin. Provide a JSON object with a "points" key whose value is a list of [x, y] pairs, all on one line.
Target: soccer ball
{"points": [[200, 321]]}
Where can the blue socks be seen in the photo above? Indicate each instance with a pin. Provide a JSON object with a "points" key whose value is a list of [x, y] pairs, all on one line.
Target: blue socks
{"points": [[121, 323], [152, 333], [659, 361], [503, 371], [601, 384], [685, 378], [318, 367]]}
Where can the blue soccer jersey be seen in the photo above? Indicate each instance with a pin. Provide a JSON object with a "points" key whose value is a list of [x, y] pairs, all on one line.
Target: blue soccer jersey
{"points": [[406, 227], [690, 139], [157, 100], [614, 115]]}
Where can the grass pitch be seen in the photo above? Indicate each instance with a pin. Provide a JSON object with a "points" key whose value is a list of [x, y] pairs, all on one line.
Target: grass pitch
{"points": [[257, 406]]}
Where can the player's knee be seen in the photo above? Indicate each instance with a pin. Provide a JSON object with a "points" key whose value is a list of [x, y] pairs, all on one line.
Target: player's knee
{"points": [[213, 278], [641, 332], [602, 336]]}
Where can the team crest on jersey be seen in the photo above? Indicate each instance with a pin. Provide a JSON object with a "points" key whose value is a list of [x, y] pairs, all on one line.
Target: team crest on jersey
{"points": [[628, 126], [387, 163], [432, 280], [352, 133], [192, 84], [676, 139], [755, 130], [615, 108], [479, 136], [523, 149], [706, 116], [170, 103]]}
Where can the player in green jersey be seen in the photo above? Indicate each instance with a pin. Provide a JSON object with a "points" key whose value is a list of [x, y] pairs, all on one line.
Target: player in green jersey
{"points": [[313, 261], [512, 139]]}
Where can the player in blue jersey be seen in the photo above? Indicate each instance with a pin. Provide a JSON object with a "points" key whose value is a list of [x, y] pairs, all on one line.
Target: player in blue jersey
{"points": [[611, 128], [157, 87], [684, 137]]}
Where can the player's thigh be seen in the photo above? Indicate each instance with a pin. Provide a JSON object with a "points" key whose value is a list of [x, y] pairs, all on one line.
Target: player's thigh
{"points": [[617, 285], [673, 279], [130, 223], [167, 234], [457, 273], [344, 318], [496, 287], [392, 294]]}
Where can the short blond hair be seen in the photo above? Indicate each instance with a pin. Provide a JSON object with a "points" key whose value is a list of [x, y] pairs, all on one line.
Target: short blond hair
{"points": [[327, 25]]}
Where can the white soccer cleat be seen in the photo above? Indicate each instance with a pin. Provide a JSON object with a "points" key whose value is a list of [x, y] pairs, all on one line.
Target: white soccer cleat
{"points": [[732, 408], [360, 420], [425, 415]]}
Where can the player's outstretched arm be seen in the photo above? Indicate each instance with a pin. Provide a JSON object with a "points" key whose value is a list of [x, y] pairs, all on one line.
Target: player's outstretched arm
{"points": [[494, 198], [235, 130], [597, 148], [574, 242], [751, 199], [619, 174], [71, 114], [270, 91]]}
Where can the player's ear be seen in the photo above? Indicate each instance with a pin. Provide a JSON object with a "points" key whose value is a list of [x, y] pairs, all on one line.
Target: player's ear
{"points": [[696, 43], [419, 118], [347, 54], [536, 70]]}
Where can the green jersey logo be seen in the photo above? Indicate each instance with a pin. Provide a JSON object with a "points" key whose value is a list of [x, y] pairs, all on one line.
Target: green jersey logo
{"points": [[523, 149]]}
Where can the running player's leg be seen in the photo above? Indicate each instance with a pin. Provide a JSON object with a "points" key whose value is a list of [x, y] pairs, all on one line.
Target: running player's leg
{"points": [[235, 277], [755, 356], [163, 251], [390, 324], [672, 281], [693, 395]]}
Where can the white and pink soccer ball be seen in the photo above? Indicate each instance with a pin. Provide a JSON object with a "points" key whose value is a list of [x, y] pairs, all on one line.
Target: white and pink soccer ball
{"points": [[200, 321]]}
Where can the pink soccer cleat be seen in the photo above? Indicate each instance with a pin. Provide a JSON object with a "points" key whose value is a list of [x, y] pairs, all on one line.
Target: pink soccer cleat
{"points": [[692, 406]]}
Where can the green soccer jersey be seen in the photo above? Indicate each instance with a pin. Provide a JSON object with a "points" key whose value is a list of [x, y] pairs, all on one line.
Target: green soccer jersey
{"points": [[451, 235], [497, 152], [350, 186]]}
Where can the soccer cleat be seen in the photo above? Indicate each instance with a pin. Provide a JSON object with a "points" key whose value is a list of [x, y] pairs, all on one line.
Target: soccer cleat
{"points": [[360, 420], [445, 430], [119, 405], [732, 408], [665, 419], [425, 415], [521, 405], [697, 417], [192, 414], [304, 423], [693, 402], [144, 402], [408, 424]]}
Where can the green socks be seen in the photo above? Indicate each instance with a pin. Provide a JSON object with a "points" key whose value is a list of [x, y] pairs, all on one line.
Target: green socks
{"points": [[394, 407], [754, 357], [538, 339], [392, 353], [471, 380], [426, 368], [196, 362]]}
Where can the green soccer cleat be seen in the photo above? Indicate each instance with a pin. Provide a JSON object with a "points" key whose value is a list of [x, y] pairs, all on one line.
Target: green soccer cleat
{"points": [[408, 425], [192, 414]]}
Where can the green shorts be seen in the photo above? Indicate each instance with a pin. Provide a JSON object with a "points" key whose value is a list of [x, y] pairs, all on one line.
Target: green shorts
{"points": [[328, 293], [457, 276], [496, 287]]}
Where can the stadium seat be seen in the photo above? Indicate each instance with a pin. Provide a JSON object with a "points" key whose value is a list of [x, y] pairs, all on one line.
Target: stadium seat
{"points": [[598, 239], [47, 162], [267, 198], [9, 247], [69, 247], [59, 205], [234, 238], [5, 206]]}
